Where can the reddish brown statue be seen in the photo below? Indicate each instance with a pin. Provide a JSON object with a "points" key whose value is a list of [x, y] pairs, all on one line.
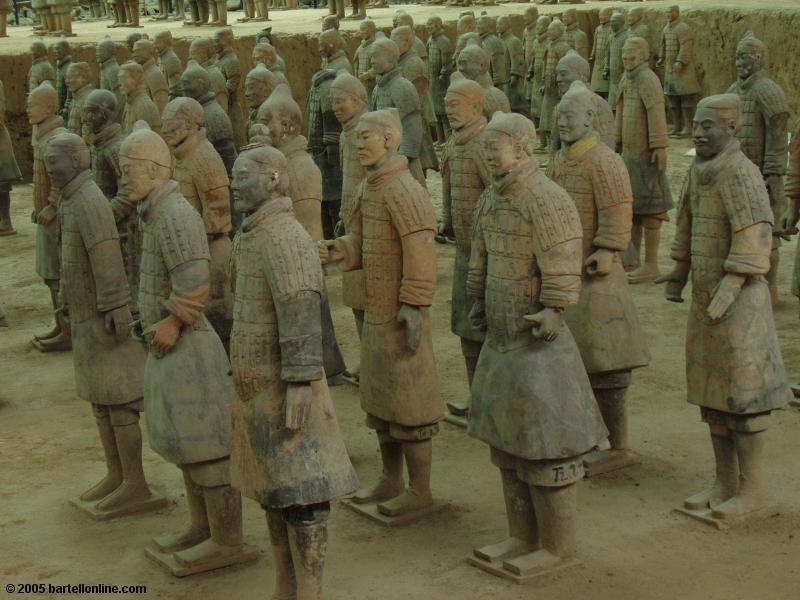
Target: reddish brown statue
{"points": [[604, 322], [9, 171], [599, 54], [168, 62], [258, 86], [138, 104], [332, 52], [367, 31], [288, 454], [228, 63], [557, 48], [201, 50], [106, 55], [734, 369], [473, 63], [187, 392], [391, 230], [536, 66], [440, 66], [680, 80], [765, 116], [642, 140], [614, 68], [530, 399], [465, 175], [144, 53], [42, 109], [109, 365]]}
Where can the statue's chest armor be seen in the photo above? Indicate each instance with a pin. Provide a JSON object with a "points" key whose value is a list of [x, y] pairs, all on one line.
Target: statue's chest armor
{"points": [[671, 46], [76, 269], [711, 235], [382, 258], [465, 189], [154, 282], [751, 134], [580, 189]]}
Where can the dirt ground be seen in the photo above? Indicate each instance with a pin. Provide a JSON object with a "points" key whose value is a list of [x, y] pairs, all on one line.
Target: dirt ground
{"points": [[632, 546]]}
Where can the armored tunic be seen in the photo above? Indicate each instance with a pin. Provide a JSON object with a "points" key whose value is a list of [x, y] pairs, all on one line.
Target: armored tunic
{"points": [[556, 50], [395, 91], [413, 68], [391, 230], [41, 70], [106, 371], [47, 245], [228, 63], [496, 50], [63, 93], [641, 30], [602, 37], [353, 173], [677, 46], [733, 364], [515, 62], [323, 132], [9, 170], [440, 66], [464, 177], [529, 398], [109, 80], [642, 128], [201, 175], [615, 67], [156, 83], [276, 341], [577, 39], [537, 69], [765, 113], [604, 322], [75, 121], [219, 130], [107, 173], [218, 83], [170, 66], [187, 391], [362, 58], [139, 107]]}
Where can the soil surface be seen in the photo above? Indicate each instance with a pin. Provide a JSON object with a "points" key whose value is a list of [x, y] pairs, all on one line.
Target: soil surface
{"points": [[632, 545]]}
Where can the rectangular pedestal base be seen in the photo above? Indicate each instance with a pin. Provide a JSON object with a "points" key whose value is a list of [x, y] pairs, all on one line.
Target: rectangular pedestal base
{"points": [[705, 516], [456, 420], [155, 502], [371, 512], [496, 568], [168, 561], [605, 461]]}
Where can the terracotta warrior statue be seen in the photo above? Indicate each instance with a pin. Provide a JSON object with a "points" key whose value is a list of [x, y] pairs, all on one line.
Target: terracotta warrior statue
{"points": [[498, 68], [196, 84], [79, 84], [198, 13], [282, 117], [515, 66], [132, 38], [144, 53], [228, 63], [791, 217], [395, 91], [42, 111], [404, 19], [529, 34], [604, 322], [367, 31], [201, 51], [109, 365], [642, 140], [106, 55], [636, 25], [573, 34], [9, 170], [41, 68], [440, 66], [465, 175], [765, 116], [465, 26], [529, 366], [202, 177], [219, 12], [187, 393], [473, 63], [265, 54], [536, 66], [331, 49], [680, 80], [138, 104], [62, 16], [557, 49], [572, 68], [99, 112], [288, 454], [734, 370], [614, 68], [168, 62], [63, 54], [390, 235], [599, 54], [258, 85], [349, 102]]}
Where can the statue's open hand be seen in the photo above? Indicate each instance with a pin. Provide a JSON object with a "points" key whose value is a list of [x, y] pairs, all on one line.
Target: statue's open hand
{"points": [[167, 333], [330, 251], [118, 322], [47, 215], [298, 405], [659, 158], [546, 324], [411, 317], [477, 316], [600, 262], [725, 295]]}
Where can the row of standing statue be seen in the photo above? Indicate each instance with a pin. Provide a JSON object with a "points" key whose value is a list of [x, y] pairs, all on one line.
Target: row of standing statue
{"points": [[136, 206]]}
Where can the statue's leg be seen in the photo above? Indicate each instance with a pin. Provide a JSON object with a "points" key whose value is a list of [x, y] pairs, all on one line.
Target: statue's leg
{"points": [[113, 477], [224, 509], [308, 541], [199, 528], [390, 484], [726, 467], [470, 350], [648, 270], [285, 587], [417, 448]]}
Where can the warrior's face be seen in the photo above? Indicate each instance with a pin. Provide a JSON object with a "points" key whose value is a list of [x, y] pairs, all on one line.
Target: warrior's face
{"points": [[103, 52], [469, 66], [564, 77], [138, 177], [371, 144], [38, 110], [127, 83], [711, 132], [62, 166], [617, 22], [632, 56], [673, 14], [502, 153], [382, 61], [433, 26], [191, 87], [280, 128], [175, 131], [748, 62], [367, 31], [255, 92], [247, 185], [75, 79], [345, 106], [555, 31], [94, 116], [530, 16], [605, 16], [460, 110], [574, 121]]}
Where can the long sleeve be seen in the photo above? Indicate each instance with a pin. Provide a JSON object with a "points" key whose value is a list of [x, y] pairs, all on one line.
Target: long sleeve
{"points": [[419, 268], [793, 173], [686, 47], [476, 276], [750, 250], [656, 125], [447, 201], [614, 201], [776, 146], [190, 288], [351, 243], [412, 134], [560, 268], [681, 248]]}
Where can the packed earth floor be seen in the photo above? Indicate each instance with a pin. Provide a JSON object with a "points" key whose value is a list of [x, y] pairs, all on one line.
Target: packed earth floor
{"points": [[632, 545]]}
